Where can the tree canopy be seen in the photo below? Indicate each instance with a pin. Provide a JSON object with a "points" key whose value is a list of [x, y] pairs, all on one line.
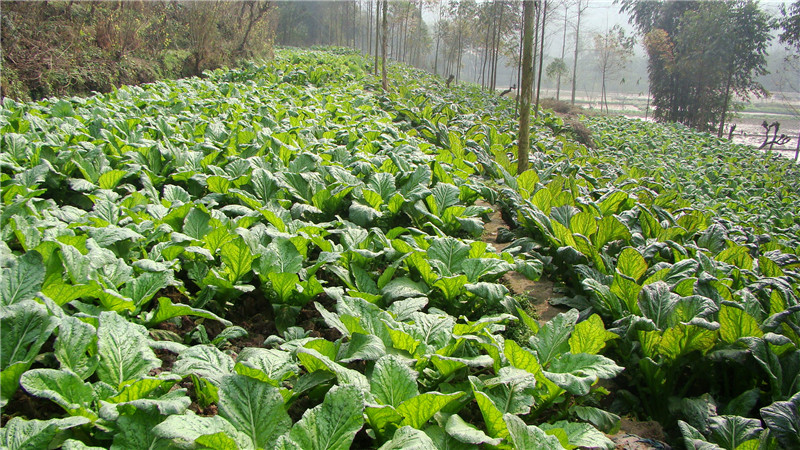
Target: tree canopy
{"points": [[702, 55]]}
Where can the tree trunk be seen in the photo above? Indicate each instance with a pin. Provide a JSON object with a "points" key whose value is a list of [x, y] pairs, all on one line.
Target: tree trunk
{"points": [[484, 60], [519, 63], [577, 47], [498, 43], [369, 28], [523, 139], [377, 33], [541, 61], [727, 97], [384, 77], [438, 38], [563, 52], [537, 12]]}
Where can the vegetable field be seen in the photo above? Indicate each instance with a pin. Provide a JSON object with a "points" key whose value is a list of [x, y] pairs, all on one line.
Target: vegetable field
{"points": [[284, 256]]}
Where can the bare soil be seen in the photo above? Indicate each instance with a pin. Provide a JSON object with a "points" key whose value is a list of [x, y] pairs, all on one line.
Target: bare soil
{"points": [[539, 292], [635, 435]]}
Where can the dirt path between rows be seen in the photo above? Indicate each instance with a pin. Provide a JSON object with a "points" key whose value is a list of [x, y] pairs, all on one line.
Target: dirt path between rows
{"points": [[539, 292]]}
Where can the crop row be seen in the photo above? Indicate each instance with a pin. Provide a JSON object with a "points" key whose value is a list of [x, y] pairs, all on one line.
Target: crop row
{"points": [[284, 256]]}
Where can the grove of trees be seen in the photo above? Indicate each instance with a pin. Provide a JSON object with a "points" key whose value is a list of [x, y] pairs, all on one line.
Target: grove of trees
{"points": [[703, 56]]}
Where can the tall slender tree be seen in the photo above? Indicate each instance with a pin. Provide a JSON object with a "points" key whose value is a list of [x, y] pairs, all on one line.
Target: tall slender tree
{"points": [[581, 8], [541, 60], [377, 32], [384, 77], [523, 135]]}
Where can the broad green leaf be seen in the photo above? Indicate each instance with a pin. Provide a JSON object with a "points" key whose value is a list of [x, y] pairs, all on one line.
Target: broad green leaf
{"points": [[443, 196], [311, 358], [275, 365], [451, 287], [217, 238], [123, 350], [526, 183], [255, 408], [583, 223], [631, 263], [72, 444], [419, 261], [521, 358], [657, 303], [402, 288], [23, 280], [282, 256], [612, 203], [142, 289], [409, 438], [21, 434], [524, 436], [492, 293], [237, 258], [733, 431], [217, 441], [333, 424], [736, 323], [417, 410], [167, 310], [362, 347], [196, 224], [783, 420], [205, 361], [447, 255], [768, 268], [219, 184], [443, 441], [10, 380], [24, 326], [61, 387], [284, 284], [589, 336], [111, 234], [581, 435], [383, 184], [603, 420], [738, 255], [577, 373], [488, 268], [186, 429], [682, 339], [135, 432], [713, 238], [110, 179], [392, 381], [142, 388], [610, 229], [382, 417], [553, 338], [468, 433], [63, 293], [76, 346]]}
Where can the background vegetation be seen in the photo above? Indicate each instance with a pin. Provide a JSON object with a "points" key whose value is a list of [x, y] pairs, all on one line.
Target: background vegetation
{"points": [[68, 47]]}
